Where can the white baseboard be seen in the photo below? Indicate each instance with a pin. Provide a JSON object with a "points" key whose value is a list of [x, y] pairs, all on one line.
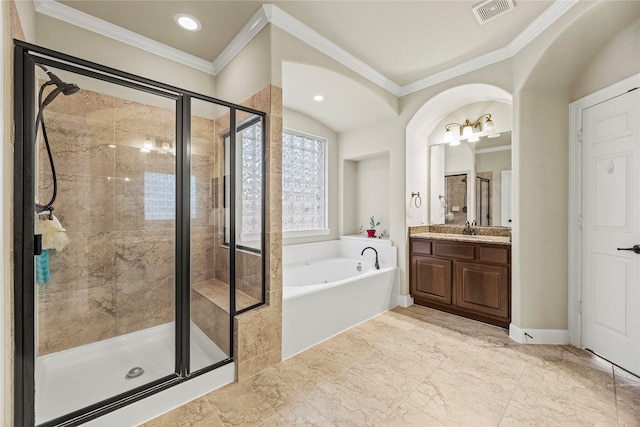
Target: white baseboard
{"points": [[405, 300], [539, 336]]}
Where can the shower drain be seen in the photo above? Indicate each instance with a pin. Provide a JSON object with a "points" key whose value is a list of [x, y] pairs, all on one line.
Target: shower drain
{"points": [[134, 373]]}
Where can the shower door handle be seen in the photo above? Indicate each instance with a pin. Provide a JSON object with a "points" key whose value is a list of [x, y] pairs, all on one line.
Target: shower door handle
{"points": [[634, 248], [37, 244]]}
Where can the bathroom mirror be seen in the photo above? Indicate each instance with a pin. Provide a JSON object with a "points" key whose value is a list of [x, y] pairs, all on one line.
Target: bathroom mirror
{"points": [[472, 182]]}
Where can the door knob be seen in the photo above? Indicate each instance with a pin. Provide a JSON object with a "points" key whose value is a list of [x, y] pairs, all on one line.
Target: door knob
{"points": [[635, 248]]}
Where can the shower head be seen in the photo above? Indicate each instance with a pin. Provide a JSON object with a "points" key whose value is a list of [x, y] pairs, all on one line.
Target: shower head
{"points": [[61, 87], [65, 88]]}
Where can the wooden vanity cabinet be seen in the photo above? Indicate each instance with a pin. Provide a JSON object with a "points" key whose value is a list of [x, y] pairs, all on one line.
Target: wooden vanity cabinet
{"points": [[467, 279]]}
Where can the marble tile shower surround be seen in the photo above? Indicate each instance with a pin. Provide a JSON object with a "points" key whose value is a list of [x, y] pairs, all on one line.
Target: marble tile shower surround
{"points": [[456, 197], [116, 276], [258, 333], [456, 229], [420, 367]]}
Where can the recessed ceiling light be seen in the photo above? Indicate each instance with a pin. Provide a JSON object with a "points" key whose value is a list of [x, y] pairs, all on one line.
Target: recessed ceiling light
{"points": [[318, 98], [187, 22]]}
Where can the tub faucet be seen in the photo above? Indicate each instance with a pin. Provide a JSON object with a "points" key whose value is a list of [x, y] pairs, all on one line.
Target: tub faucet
{"points": [[377, 265]]}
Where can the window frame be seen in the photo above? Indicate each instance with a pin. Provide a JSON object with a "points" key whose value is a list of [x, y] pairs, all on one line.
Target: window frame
{"points": [[308, 232]]}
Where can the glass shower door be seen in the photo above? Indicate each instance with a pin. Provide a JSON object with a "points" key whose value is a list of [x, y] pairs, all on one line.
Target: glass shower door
{"points": [[210, 306], [105, 304]]}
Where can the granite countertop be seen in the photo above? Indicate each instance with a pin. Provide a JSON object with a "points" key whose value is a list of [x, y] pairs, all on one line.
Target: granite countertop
{"points": [[496, 240]]}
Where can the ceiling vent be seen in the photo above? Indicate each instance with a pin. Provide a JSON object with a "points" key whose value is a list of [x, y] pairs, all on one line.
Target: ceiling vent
{"points": [[486, 11]]}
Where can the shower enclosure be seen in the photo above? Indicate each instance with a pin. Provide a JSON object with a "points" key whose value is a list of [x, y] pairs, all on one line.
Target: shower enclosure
{"points": [[139, 235], [483, 200], [456, 196]]}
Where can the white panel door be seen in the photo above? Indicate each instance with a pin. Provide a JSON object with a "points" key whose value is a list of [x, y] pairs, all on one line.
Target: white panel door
{"points": [[611, 220]]}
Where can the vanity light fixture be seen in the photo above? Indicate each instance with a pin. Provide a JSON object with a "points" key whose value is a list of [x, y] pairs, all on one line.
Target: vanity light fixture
{"points": [[187, 22], [471, 131]]}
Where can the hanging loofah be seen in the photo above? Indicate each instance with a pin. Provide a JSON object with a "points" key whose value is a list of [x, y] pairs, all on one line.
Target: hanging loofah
{"points": [[53, 235]]}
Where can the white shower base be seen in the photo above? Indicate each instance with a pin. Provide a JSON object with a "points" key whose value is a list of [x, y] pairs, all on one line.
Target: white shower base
{"points": [[72, 379]]}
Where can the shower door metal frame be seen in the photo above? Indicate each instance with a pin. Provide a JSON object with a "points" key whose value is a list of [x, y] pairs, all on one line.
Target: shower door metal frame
{"points": [[479, 210], [25, 56]]}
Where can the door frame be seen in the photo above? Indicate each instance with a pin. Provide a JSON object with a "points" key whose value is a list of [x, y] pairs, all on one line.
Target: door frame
{"points": [[575, 198]]}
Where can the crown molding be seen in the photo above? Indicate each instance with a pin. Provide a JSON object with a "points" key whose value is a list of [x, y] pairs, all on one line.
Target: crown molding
{"points": [[533, 30], [253, 26], [88, 22], [458, 70], [269, 13], [291, 25], [541, 23]]}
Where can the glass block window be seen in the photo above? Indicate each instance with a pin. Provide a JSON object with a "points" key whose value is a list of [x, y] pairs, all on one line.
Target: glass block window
{"points": [[303, 182], [249, 184], [250, 139], [160, 196]]}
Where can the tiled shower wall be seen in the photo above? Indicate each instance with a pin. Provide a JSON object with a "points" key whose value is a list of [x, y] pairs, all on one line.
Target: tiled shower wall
{"points": [[456, 200], [117, 274], [258, 333]]}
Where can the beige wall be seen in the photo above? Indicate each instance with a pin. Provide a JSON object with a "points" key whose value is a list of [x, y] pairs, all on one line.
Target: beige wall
{"points": [[249, 71], [371, 192], [540, 210], [294, 120], [27, 14], [617, 60]]}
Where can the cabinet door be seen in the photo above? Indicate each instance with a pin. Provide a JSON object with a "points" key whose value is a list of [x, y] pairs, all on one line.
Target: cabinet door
{"points": [[431, 278], [482, 288]]}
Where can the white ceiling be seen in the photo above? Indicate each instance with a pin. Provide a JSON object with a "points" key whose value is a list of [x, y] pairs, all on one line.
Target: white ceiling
{"points": [[401, 43]]}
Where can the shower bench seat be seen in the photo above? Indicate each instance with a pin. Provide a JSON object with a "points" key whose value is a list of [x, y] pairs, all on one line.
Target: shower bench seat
{"points": [[210, 309]]}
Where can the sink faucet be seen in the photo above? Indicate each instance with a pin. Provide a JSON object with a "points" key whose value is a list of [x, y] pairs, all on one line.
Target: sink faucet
{"points": [[377, 265], [468, 230]]}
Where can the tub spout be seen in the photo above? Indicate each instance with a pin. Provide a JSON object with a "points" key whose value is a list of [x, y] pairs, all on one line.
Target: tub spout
{"points": [[377, 265]]}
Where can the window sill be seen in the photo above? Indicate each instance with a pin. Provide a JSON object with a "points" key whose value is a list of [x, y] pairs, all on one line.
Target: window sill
{"points": [[289, 234]]}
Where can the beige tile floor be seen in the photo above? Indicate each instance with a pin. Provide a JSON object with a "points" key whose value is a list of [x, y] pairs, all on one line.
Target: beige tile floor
{"points": [[420, 367]]}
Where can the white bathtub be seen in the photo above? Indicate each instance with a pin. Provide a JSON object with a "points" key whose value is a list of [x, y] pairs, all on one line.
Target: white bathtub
{"points": [[323, 297]]}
